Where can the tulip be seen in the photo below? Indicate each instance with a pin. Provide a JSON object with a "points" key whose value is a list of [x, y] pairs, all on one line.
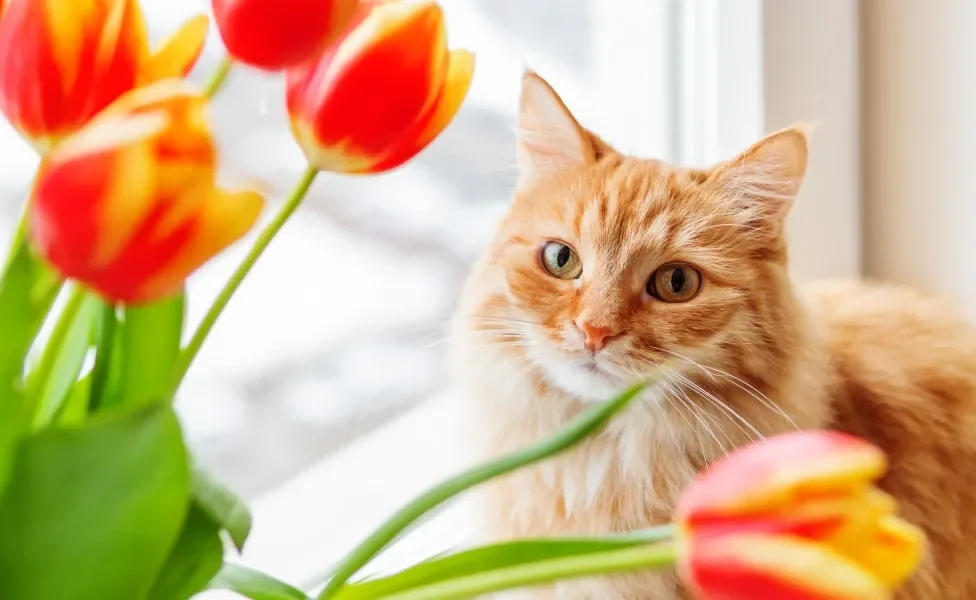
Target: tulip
{"points": [[128, 204], [795, 518], [276, 34], [65, 60], [383, 92]]}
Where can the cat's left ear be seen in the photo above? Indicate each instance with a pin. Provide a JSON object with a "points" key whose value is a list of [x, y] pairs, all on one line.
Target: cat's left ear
{"points": [[549, 137], [761, 183]]}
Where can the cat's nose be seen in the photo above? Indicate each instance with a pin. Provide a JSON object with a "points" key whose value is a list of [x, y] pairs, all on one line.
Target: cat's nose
{"points": [[597, 337]]}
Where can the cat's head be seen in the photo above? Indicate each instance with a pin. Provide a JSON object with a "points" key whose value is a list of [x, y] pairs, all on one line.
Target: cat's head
{"points": [[609, 265]]}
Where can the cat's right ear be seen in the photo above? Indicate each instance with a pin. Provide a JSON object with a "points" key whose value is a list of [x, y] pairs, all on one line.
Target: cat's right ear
{"points": [[549, 138]]}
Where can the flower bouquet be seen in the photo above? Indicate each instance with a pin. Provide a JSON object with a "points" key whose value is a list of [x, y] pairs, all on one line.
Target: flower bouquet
{"points": [[99, 496]]}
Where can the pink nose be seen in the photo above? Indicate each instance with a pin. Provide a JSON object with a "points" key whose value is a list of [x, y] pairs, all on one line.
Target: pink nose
{"points": [[597, 337]]}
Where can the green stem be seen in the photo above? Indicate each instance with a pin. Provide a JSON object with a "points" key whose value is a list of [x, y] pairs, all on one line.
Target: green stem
{"points": [[454, 567], [103, 354], [218, 77], [19, 238], [578, 429], [655, 556], [45, 366], [265, 237]]}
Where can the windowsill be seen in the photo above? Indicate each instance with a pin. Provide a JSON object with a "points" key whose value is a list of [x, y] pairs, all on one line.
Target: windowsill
{"points": [[310, 522]]}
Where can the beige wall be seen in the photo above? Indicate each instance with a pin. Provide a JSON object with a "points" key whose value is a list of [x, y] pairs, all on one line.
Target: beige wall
{"points": [[891, 190], [810, 73], [920, 144]]}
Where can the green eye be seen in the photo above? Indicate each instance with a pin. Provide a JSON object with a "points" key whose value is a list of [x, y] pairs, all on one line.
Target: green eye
{"points": [[561, 261]]}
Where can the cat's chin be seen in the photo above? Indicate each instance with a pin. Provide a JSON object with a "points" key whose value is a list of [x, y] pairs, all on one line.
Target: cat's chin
{"points": [[582, 379]]}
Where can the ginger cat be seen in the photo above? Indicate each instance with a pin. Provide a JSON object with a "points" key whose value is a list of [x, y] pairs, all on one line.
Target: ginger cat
{"points": [[610, 268]]}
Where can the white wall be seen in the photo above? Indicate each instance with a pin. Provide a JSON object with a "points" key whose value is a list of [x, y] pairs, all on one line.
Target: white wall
{"points": [[750, 67], [810, 73], [920, 144]]}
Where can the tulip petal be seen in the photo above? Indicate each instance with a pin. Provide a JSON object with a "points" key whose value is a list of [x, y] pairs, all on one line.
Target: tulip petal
{"points": [[97, 51], [782, 471], [460, 71], [65, 61], [127, 201], [70, 33], [278, 34], [155, 96], [749, 567], [188, 146], [119, 155], [399, 49], [222, 218], [28, 72], [64, 209], [176, 55], [148, 252], [128, 205], [891, 551], [832, 519]]}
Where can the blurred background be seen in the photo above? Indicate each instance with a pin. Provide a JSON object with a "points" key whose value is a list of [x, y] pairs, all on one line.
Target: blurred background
{"points": [[310, 396]]}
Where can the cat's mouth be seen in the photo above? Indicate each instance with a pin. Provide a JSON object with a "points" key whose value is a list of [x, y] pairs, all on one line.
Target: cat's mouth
{"points": [[584, 377], [593, 367]]}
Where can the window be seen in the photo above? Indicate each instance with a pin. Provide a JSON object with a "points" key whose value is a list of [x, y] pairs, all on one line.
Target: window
{"points": [[341, 326]]}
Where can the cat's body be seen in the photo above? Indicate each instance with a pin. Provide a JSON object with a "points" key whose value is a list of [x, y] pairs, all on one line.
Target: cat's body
{"points": [[543, 331]]}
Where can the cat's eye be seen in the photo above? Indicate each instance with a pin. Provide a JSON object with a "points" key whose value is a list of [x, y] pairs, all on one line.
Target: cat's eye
{"points": [[561, 261], [674, 282]]}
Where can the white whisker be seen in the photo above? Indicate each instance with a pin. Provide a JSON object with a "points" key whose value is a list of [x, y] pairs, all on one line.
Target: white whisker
{"points": [[699, 411], [743, 385], [667, 423], [720, 404], [701, 442], [681, 414], [752, 391], [477, 318]]}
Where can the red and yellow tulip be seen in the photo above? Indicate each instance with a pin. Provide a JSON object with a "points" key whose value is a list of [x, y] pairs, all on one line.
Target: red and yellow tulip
{"points": [[65, 60], [128, 205], [276, 34], [382, 93], [796, 518]]}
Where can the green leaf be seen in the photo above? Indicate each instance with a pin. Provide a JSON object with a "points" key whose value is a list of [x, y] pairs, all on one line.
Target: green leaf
{"points": [[496, 557], [254, 584], [149, 346], [571, 434], [193, 562], [569, 563], [223, 506], [92, 512], [62, 359], [12, 405], [106, 342], [27, 291], [74, 409], [111, 365]]}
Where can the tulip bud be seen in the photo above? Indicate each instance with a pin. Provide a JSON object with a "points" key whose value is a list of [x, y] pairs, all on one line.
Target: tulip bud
{"points": [[276, 34], [65, 60], [383, 92], [128, 205], [795, 517]]}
